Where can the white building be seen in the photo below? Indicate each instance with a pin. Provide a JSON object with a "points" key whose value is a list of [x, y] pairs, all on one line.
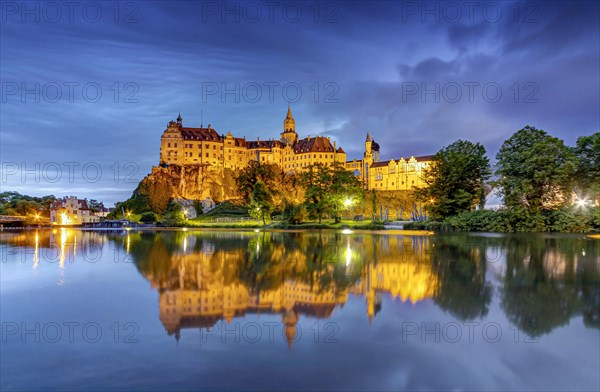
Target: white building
{"points": [[71, 211]]}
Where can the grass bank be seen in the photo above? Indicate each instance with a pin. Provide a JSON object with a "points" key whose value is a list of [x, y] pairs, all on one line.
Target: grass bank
{"points": [[566, 220]]}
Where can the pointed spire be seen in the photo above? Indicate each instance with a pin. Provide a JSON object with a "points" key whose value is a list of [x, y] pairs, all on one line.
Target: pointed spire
{"points": [[289, 112], [368, 137]]}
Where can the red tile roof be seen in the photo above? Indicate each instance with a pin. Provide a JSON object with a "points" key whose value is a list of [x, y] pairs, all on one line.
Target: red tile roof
{"points": [[207, 134], [313, 144], [263, 144]]}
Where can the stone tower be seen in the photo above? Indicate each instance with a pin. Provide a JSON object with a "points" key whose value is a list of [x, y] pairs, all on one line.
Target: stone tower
{"points": [[289, 135]]}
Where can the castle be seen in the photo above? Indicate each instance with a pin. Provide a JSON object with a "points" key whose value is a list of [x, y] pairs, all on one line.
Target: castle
{"points": [[200, 146]]}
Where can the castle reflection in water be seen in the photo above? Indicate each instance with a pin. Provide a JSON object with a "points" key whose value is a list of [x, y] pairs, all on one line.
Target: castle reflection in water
{"points": [[205, 277], [206, 283]]}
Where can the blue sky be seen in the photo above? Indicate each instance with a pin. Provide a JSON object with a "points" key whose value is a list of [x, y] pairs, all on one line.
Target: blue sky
{"points": [[87, 90]]}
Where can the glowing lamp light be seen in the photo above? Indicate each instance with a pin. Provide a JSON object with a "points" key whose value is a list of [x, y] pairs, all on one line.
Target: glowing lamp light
{"points": [[64, 219], [184, 229], [347, 202], [581, 202], [346, 231]]}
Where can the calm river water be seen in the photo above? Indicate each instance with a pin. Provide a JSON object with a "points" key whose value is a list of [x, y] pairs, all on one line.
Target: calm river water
{"points": [[255, 310]]}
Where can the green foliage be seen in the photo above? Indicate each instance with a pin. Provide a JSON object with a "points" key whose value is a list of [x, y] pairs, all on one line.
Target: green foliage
{"points": [[294, 214], [198, 207], [253, 173], [148, 217], [95, 205], [587, 173], [227, 209], [283, 187], [261, 203], [564, 220], [13, 203], [327, 189], [173, 215], [455, 179], [535, 171]]}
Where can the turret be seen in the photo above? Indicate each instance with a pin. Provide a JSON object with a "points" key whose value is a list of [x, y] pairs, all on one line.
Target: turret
{"points": [[289, 135], [179, 120], [368, 144]]}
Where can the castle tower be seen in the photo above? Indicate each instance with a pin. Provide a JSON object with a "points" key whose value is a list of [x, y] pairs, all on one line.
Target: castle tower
{"points": [[368, 145], [368, 159], [290, 319], [179, 120], [375, 151], [289, 135]]}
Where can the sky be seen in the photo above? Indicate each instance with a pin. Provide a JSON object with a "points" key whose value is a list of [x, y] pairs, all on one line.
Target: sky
{"points": [[89, 87]]}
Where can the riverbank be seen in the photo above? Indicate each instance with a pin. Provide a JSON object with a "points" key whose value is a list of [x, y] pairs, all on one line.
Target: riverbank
{"points": [[566, 220], [325, 225]]}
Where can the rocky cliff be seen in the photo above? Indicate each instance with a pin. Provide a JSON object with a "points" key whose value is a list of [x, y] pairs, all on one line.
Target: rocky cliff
{"points": [[192, 182]]}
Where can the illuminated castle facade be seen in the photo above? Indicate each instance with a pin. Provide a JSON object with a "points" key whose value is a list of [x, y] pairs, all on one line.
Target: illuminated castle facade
{"points": [[199, 146]]}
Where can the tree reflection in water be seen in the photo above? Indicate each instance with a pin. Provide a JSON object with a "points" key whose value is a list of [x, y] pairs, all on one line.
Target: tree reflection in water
{"points": [[541, 282]]}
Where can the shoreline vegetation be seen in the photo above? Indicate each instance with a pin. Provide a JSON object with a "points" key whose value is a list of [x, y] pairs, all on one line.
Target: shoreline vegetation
{"points": [[545, 187]]}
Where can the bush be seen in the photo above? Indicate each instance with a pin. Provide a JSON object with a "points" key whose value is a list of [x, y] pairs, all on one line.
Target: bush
{"points": [[148, 217], [565, 220], [293, 214], [173, 215]]}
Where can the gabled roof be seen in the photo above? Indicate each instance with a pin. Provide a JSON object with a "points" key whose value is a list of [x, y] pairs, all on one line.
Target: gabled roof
{"points": [[341, 151], [313, 144], [251, 144], [422, 158], [240, 142], [58, 203], [207, 134]]}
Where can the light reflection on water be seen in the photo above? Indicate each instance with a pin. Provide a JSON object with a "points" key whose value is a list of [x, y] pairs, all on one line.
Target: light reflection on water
{"points": [[357, 311]]}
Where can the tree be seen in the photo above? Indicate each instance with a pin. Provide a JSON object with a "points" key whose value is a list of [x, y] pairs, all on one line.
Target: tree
{"points": [[148, 217], [293, 213], [253, 173], [587, 173], [261, 204], [535, 170], [95, 205], [13, 203], [173, 215], [455, 179], [327, 189]]}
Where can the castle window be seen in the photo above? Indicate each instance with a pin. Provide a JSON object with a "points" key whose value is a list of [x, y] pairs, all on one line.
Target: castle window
{"points": [[207, 155], [175, 144], [214, 147], [168, 144]]}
